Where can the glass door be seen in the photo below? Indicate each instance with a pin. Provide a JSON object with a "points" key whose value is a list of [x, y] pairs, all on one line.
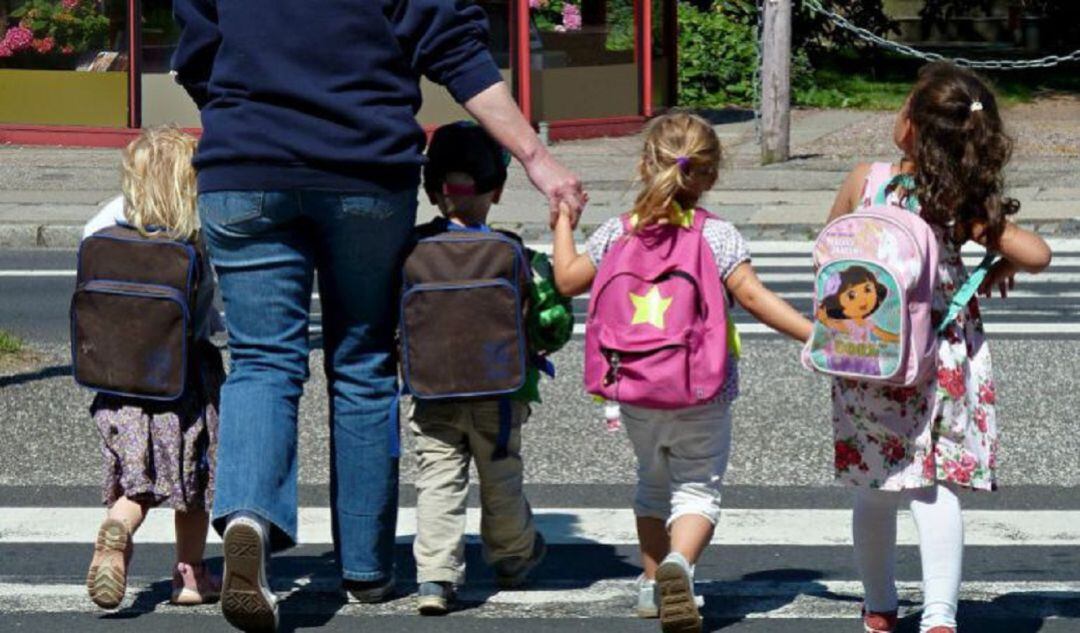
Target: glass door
{"points": [[583, 59]]}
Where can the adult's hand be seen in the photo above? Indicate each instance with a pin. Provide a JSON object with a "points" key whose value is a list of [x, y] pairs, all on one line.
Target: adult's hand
{"points": [[559, 185], [496, 111]]}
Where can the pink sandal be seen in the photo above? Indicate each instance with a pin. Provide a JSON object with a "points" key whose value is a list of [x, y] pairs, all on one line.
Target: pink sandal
{"points": [[879, 622], [194, 585]]}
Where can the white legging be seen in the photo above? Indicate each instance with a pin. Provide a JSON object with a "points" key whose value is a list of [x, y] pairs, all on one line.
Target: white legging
{"points": [[941, 546]]}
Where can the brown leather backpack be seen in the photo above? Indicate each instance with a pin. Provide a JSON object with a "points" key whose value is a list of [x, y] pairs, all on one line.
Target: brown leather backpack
{"points": [[463, 315], [132, 313]]}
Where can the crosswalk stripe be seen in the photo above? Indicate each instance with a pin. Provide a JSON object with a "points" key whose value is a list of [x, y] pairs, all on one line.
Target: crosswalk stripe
{"points": [[824, 599], [807, 278], [612, 526], [804, 247], [760, 265], [991, 327]]}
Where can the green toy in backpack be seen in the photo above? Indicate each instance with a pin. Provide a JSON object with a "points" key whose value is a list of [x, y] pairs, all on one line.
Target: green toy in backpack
{"points": [[550, 323]]}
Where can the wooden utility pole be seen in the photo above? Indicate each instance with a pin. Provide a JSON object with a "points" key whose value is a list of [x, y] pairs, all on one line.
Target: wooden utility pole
{"points": [[776, 82]]}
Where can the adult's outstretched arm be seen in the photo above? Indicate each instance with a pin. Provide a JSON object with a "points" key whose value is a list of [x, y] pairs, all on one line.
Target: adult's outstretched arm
{"points": [[496, 110]]}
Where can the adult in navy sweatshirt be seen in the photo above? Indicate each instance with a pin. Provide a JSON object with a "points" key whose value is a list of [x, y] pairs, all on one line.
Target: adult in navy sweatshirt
{"points": [[310, 160]]}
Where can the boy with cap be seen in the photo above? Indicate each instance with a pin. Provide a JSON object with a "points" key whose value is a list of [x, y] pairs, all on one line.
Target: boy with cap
{"points": [[464, 176]]}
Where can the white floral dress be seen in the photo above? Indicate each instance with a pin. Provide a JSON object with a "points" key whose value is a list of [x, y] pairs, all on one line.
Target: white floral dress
{"points": [[943, 430]]}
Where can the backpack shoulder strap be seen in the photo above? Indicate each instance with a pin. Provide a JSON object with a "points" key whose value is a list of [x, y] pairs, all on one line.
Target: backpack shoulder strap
{"points": [[876, 180], [964, 293]]}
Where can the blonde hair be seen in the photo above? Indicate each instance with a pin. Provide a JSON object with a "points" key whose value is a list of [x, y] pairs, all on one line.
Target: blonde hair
{"points": [[159, 183], [680, 161]]}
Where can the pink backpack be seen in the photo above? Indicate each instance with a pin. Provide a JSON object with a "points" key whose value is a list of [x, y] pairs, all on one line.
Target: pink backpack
{"points": [[875, 274], [656, 335]]}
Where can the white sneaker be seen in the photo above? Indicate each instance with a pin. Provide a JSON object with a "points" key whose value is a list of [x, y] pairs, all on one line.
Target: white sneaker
{"points": [[246, 599], [678, 604], [648, 604]]}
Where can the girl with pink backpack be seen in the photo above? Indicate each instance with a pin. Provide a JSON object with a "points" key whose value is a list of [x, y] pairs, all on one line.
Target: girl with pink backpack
{"points": [[921, 424], [659, 343]]}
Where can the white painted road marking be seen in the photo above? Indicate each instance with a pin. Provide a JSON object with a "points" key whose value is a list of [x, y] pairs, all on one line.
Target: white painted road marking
{"points": [[825, 599], [990, 326], [615, 526]]}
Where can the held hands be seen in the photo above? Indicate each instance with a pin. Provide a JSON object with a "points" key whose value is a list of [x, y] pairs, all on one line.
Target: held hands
{"points": [[1002, 275], [561, 187]]}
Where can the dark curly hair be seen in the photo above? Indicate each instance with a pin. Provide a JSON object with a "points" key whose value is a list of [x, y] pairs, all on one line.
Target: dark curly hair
{"points": [[852, 277], [960, 153]]}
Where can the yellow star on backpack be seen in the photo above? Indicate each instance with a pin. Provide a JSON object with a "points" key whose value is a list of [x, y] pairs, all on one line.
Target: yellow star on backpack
{"points": [[650, 308]]}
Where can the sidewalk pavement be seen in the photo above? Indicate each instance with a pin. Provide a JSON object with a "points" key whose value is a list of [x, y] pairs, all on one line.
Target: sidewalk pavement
{"points": [[47, 194]]}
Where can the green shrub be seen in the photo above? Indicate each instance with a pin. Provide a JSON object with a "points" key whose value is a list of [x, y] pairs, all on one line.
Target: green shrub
{"points": [[718, 55]]}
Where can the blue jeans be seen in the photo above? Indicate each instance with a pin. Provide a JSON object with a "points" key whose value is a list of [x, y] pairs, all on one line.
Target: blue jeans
{"points": [[266, 247]]}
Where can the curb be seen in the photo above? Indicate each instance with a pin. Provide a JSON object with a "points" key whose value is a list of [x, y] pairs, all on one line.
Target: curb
{"points": [[68, 236]]}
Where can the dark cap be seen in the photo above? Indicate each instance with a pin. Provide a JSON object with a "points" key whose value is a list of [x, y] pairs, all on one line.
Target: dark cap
{"points": [[466, 148]]}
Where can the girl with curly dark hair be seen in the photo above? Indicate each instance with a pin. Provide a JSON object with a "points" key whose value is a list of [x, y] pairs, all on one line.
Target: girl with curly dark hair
{"points": [[918, 445]]}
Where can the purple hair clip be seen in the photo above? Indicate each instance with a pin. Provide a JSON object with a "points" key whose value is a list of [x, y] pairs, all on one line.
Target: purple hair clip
{"points": [[684, 163]]}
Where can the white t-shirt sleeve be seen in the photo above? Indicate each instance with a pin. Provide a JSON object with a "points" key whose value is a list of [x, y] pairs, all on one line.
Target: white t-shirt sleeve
{"points": [[111, 214], [602, 239], [728, 245]]}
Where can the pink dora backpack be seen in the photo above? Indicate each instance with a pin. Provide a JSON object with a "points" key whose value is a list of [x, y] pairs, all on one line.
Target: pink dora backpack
{"points": [[656, 334], [875, 274]]}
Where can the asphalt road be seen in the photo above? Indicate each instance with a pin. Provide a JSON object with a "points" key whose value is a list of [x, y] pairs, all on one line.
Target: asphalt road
{"points": [[791, 571]]}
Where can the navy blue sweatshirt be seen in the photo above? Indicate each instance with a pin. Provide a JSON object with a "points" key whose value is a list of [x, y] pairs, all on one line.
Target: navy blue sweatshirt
{"points": [[322, 94]]}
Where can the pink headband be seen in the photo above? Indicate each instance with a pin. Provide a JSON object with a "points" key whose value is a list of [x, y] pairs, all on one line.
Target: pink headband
{"points": [[458, 190]]}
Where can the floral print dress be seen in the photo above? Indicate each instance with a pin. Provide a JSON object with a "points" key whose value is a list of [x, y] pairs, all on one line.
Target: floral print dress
{"points": [[943, 430]]}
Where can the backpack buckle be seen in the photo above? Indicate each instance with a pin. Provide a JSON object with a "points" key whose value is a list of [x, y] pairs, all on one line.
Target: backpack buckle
{"points": [[613, 369]]}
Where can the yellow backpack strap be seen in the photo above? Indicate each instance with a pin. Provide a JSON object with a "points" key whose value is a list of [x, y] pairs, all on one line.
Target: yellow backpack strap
{"points": [[734, 341]]}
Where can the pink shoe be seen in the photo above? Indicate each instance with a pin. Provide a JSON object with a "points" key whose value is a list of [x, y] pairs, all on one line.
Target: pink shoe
{"points": [[193, 584], [880, 622]]}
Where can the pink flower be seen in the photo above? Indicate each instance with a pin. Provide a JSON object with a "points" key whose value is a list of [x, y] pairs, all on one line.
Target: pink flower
{"points": [[956, 472], [929, 466], [70, 4], [67, 49], [44, 46], [968, 462], [980, 420], [987, 394], [18, 38], [847, 455], [893, 450], [535, 4], [4, 50], [952, 380], [571, 17]]}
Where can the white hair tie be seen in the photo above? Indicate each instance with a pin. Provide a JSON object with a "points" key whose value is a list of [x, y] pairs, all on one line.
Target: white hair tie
{"points": [[976, 106]]}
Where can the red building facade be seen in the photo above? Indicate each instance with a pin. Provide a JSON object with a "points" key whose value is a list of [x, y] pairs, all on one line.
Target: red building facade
{"points": [[76, 72]]}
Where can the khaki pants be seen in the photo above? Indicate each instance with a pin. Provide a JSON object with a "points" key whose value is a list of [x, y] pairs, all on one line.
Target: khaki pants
{"points": [[448, 436]]}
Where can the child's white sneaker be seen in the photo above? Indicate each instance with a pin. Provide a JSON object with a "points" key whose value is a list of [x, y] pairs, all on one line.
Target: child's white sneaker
{"points": [[648, 604], [678, 604], [246, 599]]}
